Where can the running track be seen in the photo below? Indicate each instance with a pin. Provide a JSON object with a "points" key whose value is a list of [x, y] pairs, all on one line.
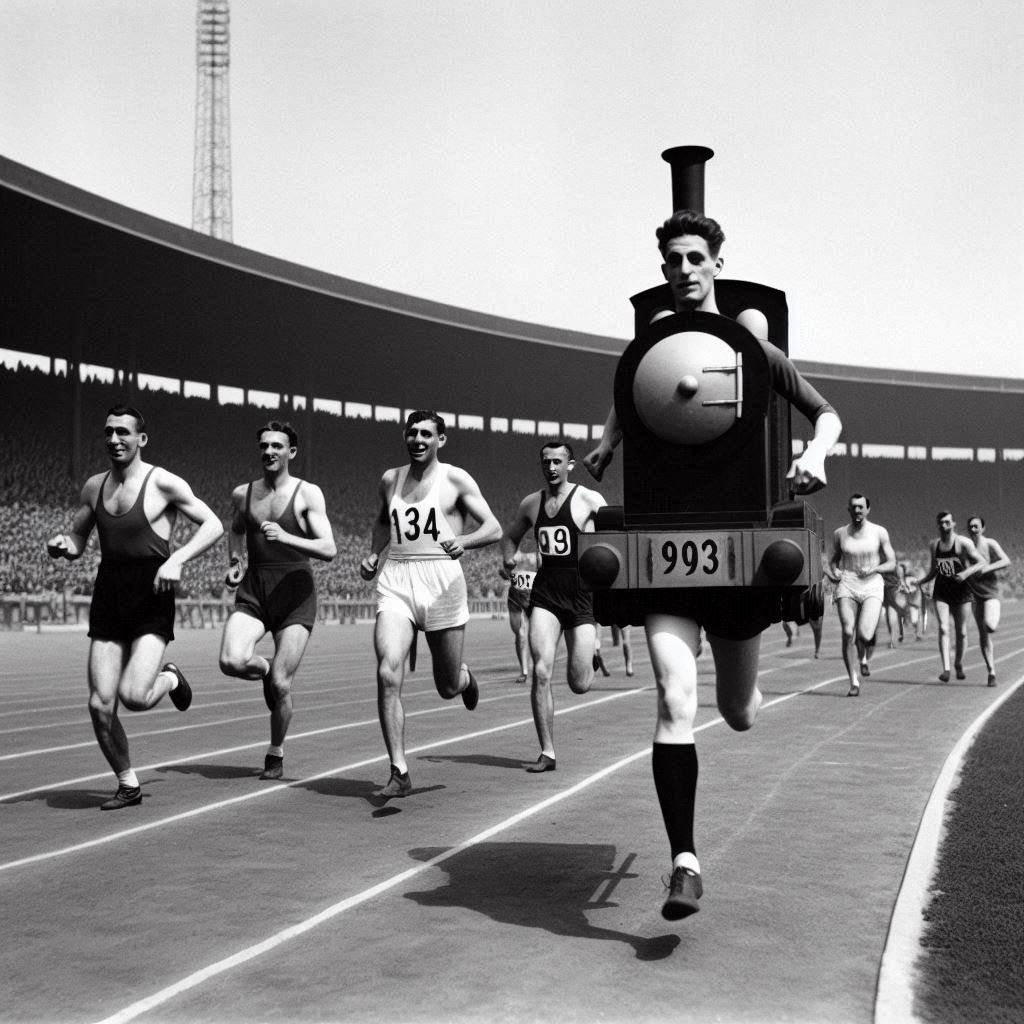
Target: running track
{"points": [[489, 894]]}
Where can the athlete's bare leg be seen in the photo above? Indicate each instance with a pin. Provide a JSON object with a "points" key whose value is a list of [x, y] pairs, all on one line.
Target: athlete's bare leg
{"points": [[736, 665], [986, 617], [545, 632], [451, 675], [289, 647], [392, 639], [579, 664], [242, 632], [673, 642], [847, 610]]}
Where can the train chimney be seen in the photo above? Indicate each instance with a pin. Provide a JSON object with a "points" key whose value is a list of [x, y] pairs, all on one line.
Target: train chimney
{"points": [[687, 163]]}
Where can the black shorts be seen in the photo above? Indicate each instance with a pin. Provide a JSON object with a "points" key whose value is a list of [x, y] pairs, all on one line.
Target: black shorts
{"points": [[561, 592], [951, 592], [124, 606], [278, 595], [731, 613]]}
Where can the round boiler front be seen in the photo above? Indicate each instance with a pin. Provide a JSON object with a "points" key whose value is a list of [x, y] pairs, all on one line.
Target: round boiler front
{"points": [[685, 388]]}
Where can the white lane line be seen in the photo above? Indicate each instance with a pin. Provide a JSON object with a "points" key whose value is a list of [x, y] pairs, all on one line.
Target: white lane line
{"points": [[243, 956], [894, 996], [268, 790]]}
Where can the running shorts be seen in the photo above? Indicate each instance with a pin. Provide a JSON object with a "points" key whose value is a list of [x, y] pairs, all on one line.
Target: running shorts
{"points": [[860, 589], [431, 593], [727, 612], [124, 606], [950, 592], [560, 591], [984, 588], [278, 595]]}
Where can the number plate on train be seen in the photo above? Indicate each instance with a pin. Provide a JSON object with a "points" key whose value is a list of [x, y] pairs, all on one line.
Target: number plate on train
{"points": [[688, 559]]}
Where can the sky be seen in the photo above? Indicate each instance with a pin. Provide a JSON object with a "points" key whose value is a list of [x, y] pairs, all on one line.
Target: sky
{"points": [[505, 157]]}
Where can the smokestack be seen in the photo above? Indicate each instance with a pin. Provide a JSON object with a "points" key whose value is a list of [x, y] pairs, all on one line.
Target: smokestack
{"points": [[687, 163]]}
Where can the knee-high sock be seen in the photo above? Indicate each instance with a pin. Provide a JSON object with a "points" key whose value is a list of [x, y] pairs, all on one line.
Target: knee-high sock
{"points": [[675, 779]]}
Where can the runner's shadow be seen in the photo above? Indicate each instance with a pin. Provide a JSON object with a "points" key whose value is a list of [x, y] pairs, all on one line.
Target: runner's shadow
{"points": [[213, 771], [70, 799], [361, 789], [485, 760], [551, 886]]}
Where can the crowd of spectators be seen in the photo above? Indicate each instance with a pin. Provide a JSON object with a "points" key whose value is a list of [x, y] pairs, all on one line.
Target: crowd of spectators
{"points": [[214, 448]]}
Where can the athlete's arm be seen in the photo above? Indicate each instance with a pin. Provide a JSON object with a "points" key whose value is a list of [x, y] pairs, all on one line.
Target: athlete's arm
{"points": [[179, 495], [600, 458], [71, 545], [591, 502], [381, 535], [472, 504], [1001, 561], [514, 533], [885, 549], [977, 563], [836, 558], [922, 580]]}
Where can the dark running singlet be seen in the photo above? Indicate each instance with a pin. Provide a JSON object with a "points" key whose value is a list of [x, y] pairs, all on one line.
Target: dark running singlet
{"points": [[272, 552], [557, 536], [123, 605], [129, 537], [947, 564], [278, 587], [557, 587]]}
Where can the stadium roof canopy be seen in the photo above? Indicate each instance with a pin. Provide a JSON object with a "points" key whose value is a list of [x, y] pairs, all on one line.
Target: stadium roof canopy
{"points": [[90, 281]]}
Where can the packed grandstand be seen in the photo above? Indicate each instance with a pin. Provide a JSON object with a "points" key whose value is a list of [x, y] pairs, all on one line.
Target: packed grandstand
{"points": [[106, 305]]}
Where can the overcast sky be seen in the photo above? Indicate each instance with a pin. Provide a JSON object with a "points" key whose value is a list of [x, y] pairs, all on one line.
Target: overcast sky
{"points": [[506, 157]]}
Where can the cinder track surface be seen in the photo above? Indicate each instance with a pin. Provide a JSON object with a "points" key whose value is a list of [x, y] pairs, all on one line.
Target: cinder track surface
{"points": [[489, 894]]}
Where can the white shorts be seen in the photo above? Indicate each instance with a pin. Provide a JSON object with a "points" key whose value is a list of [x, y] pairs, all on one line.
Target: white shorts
{"points": [[431, 593], [858, 589]]}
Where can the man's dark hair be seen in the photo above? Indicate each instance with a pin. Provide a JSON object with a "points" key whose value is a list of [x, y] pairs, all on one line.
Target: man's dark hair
{"points": [[280, 428], [867, 500], [690, 222], [980, 520], [425, 414], [943, 514], [558, 443], [128, 410]]}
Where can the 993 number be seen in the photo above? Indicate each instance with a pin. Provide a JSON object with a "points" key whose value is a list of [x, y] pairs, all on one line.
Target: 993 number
{"points": [[688, 558]]}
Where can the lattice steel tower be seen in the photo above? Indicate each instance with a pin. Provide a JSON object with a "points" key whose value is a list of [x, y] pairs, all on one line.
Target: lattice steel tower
{"points": [[211, 179]]}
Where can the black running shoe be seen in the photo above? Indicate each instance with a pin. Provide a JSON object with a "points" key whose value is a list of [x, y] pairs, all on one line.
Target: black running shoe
{"points": [[684, 889], [398, 785], [126, 796], [273, 767], [544, 763], [471, 694], [181, 695]]}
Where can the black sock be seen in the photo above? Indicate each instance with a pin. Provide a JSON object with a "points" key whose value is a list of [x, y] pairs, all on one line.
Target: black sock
{"points": [[675, 779]]}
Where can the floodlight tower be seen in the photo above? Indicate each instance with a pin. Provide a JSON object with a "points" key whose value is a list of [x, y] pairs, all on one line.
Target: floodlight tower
{"points": [[211, 179]]}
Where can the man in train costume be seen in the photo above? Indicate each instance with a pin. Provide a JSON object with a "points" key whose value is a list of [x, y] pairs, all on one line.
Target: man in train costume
{"points": [[662, 490]]}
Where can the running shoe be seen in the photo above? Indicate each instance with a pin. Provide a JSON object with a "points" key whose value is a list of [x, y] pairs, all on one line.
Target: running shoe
{"points": [[991, 679], [181, 695], [684, 889], [273, 767], [398, 785], [471, 694], [542, 764], [960, 674], [126, 796], [943, 677]]}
